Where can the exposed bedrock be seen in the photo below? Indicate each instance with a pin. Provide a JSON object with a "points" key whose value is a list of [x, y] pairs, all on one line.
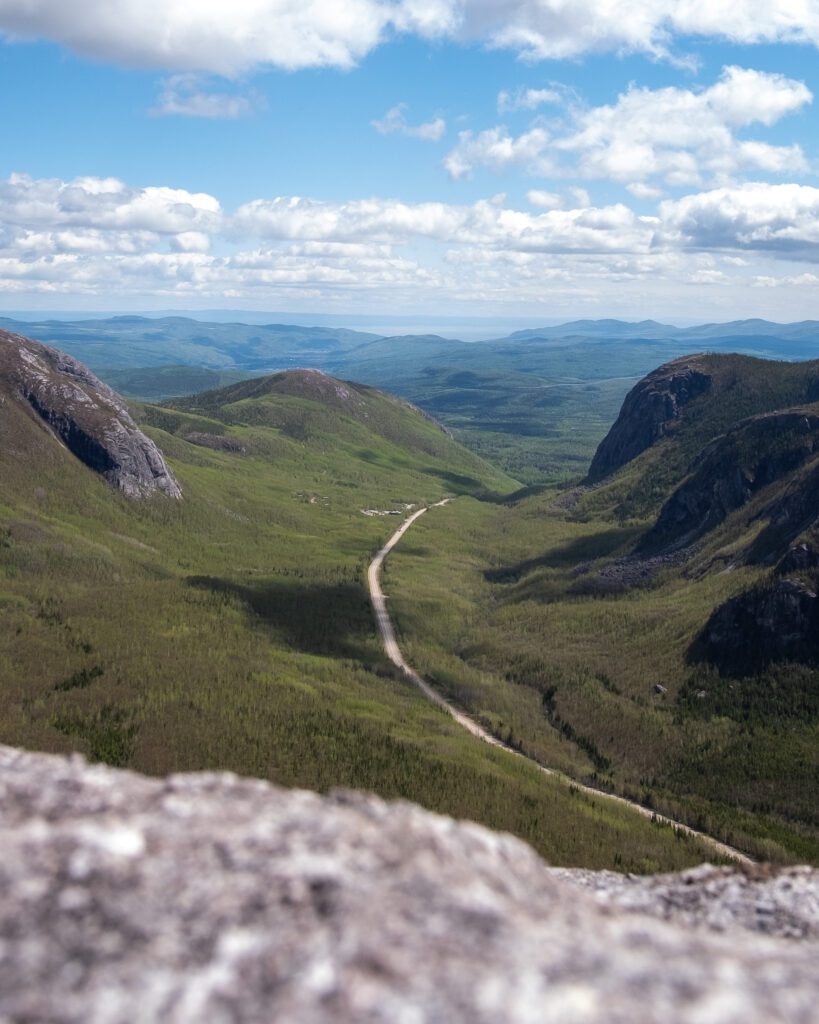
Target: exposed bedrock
{"points": [[208, 898], [649, 413], [90, 419]]}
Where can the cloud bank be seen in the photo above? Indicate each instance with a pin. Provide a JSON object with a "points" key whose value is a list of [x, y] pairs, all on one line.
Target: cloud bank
{"points": [[231, 39], [103, 237]]}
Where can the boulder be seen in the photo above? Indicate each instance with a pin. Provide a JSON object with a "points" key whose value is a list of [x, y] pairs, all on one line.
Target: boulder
{"points": [[209, 898]]}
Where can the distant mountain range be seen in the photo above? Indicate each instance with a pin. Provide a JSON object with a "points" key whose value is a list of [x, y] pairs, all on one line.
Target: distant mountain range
{"points": [[121, 342]]}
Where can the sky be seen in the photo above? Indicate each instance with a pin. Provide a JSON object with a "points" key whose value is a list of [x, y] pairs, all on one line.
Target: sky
{"points": [[436, 158]]}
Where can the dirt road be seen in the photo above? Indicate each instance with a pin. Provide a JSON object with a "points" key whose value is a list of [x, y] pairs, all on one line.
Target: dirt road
{"points": [[393, 651]]}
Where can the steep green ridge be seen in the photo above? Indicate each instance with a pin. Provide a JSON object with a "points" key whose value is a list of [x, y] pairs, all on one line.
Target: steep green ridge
{"points": [[658, 633], [232, 629], [739, 387]]}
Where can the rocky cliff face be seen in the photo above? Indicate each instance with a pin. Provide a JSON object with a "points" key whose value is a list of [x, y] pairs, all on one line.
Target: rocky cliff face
{"points": [[649, 413], [88, 417], [789, 515], [778, 621], [207, 898], [730, 471]]}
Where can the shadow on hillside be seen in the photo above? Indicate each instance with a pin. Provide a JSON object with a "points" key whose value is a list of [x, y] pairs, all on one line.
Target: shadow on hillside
{"points": [[459, 482], [617, 540], [513, 497], [327, 619]]}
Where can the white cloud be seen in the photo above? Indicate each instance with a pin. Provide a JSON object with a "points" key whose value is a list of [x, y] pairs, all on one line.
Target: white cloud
{"points": [[188, 95], [190, 241], [231, 38], [780, 219], [395, 122], [526, 99], [105, 203], [792, 280], [548, 29], [102, 237], [208, 35], [642, 191], [496, 149], [683, 136], [680, 137], [486, 223]]}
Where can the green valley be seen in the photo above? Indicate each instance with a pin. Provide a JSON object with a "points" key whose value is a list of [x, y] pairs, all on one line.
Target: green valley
{"points": [[231, 629]]}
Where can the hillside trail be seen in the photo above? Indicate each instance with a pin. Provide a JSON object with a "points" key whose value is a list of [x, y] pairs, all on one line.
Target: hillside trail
{"points": [[393, 652]]}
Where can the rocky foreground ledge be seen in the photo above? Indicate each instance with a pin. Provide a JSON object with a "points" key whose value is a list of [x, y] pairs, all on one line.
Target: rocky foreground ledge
{"points": [[209, 898]]}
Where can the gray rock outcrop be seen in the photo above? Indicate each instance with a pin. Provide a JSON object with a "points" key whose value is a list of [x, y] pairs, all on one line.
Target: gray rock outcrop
{"points": [[650, 411], [776, 621], [207, 898], [730, 470], [89, 418]]}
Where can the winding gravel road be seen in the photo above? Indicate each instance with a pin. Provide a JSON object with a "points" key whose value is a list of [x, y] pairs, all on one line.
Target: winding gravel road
{"points": [[393, 652]]}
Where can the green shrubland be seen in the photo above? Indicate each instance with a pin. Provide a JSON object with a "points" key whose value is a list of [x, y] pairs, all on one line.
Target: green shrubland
{"points": [[232, 631]]}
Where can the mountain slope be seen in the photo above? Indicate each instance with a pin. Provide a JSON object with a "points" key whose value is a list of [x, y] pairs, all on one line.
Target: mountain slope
{"points": [[657, 631], [536, 403]]}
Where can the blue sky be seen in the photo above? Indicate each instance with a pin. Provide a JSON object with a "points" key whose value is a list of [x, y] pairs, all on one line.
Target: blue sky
{"points": [[431, 157]]}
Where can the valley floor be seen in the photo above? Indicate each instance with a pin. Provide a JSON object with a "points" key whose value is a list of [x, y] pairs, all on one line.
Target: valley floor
{"points": [[596, 686], [393, 652]]}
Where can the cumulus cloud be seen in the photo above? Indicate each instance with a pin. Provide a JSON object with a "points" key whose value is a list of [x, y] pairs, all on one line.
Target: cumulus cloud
{"points": [[486, 223], [781, 219], [681, 137], [229, 39], [642, 191], [684, 136], [100, 236], [209, 35], [105, 204], [549, 29], [188, 95], [545, 200], [394, 122]]}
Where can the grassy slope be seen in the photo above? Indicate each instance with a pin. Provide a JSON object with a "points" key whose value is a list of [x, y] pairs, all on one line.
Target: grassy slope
{"points": [[489, 605], [232, 630]]}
